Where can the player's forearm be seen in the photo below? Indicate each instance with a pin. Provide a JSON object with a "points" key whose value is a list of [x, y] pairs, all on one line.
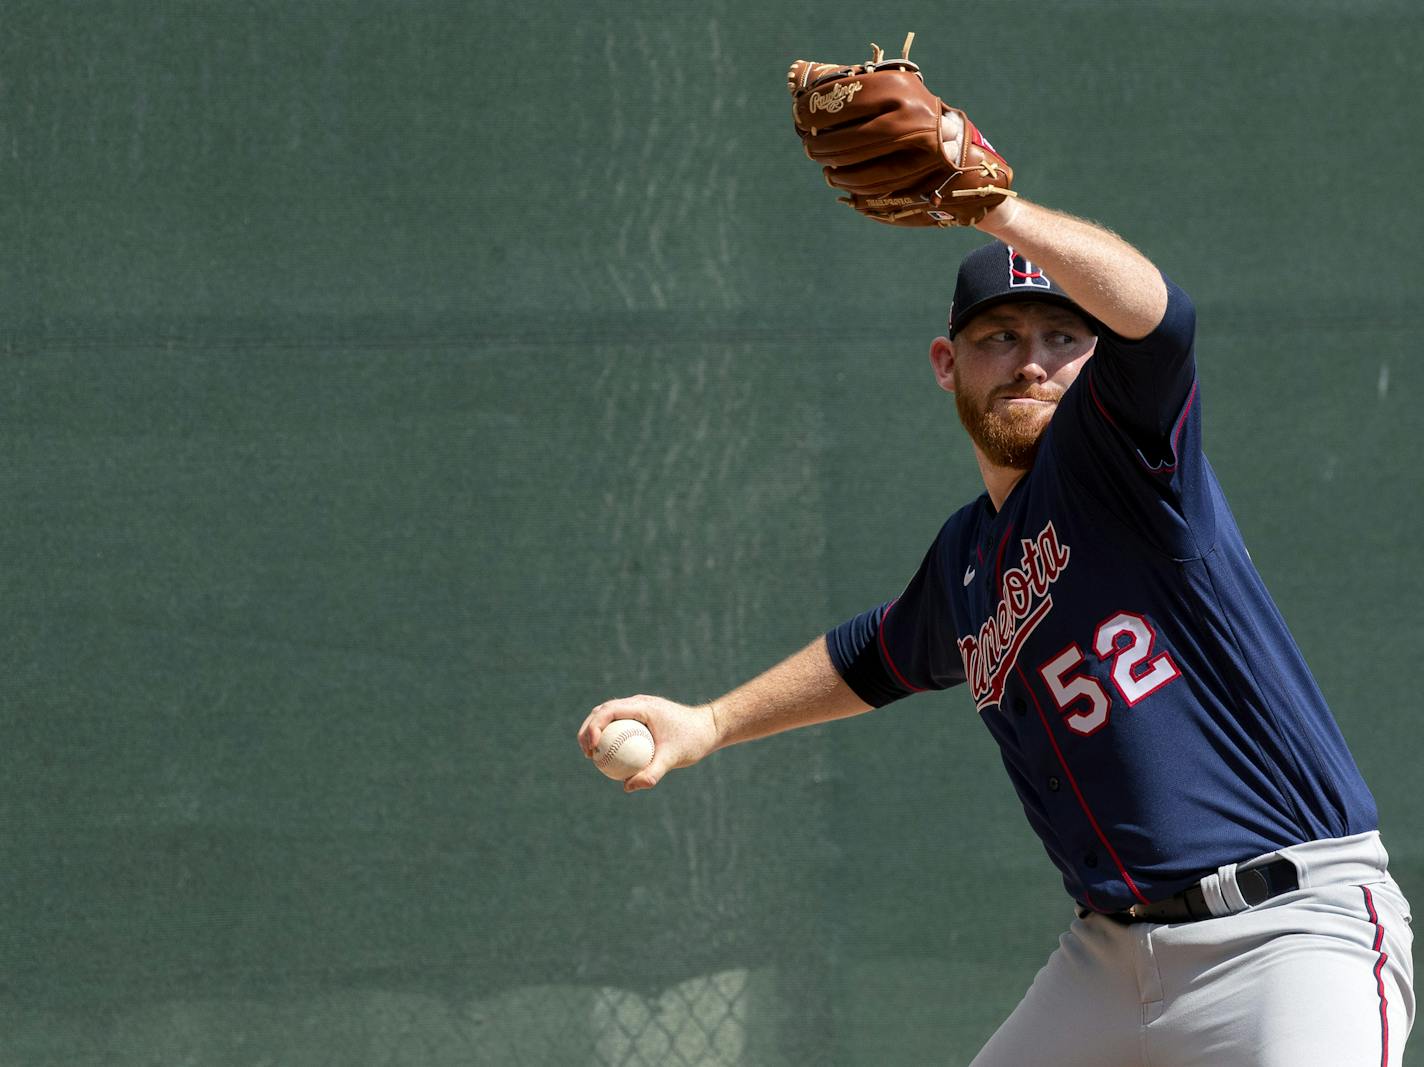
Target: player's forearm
{"points": [[801, 690], [1111, 280]]}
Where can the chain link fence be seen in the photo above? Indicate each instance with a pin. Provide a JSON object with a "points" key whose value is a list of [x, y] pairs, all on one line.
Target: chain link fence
{"points": [[701, 1022]]}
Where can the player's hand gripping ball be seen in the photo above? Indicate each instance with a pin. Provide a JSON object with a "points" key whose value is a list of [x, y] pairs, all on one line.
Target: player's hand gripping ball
{"points": [[624, 748], [899, 153]]}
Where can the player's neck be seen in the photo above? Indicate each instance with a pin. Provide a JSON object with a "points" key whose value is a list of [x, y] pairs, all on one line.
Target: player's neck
{"points": [[999, 481]]}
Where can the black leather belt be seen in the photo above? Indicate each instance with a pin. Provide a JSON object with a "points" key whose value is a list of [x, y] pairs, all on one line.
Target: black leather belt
{"points": [[1257, 885]]}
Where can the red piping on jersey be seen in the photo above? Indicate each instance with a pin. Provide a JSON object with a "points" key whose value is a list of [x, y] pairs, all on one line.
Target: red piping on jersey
{"points": [[1127, 878], [1181, 421], [999, 558], [1093, 392], [1379, 975], [1176, 430], [885, 652]]}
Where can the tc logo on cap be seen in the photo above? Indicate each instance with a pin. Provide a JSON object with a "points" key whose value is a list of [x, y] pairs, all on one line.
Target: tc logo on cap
{"points": [[1024, 275]]}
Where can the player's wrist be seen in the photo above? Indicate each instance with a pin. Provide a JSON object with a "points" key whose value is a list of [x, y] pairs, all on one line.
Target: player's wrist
{"points": [[1000, 218], [715, 719]]}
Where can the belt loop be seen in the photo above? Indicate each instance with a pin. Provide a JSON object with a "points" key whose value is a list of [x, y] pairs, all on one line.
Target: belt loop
{"points": [[1222, 894], [1231, 889]]}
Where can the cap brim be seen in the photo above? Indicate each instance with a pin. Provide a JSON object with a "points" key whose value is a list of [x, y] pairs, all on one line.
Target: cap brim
{"points": [[1038, 295]]}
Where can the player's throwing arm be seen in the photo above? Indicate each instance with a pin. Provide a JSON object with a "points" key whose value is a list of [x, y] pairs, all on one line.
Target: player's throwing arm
{"points": [[801, 690]]}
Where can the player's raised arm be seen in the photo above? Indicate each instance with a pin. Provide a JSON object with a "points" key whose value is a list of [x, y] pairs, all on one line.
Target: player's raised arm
{"points": [[1105, 276], [900, 155], [801, 690]]}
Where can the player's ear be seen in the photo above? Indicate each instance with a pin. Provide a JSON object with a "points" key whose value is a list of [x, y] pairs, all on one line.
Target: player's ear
{"points": [[942, 360]]}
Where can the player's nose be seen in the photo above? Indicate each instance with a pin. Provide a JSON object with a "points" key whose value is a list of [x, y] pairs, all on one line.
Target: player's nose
{"points": [[1032, 365]]}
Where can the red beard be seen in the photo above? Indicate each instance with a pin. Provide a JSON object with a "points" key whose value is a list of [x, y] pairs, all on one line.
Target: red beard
{"points": [[1008, 437]]}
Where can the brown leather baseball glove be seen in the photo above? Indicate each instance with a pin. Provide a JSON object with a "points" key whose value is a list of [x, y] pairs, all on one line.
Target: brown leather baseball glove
{"points": [[901, 153]]}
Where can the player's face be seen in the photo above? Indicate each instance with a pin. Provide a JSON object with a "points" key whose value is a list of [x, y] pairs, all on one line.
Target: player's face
{"points": [[1007, 368]]}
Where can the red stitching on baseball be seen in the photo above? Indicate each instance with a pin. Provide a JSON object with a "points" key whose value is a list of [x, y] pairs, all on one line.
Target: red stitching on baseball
{"points": [[613, 751]]}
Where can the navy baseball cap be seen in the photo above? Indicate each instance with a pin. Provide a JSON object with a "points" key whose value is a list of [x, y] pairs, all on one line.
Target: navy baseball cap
{"points": [[996, 273]]}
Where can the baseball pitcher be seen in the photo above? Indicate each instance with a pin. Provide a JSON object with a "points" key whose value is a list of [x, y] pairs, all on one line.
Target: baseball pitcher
{"points": [[1231, 897]]}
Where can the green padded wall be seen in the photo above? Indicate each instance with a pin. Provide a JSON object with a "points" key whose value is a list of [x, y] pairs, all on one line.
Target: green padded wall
{"points": [[386, 382]]}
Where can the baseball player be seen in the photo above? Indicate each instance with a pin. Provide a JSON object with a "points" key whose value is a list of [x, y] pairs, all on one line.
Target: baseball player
{"points": [[1231, 897]]}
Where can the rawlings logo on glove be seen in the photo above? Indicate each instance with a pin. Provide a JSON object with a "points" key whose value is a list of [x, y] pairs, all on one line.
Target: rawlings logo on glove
{"points": [[899, 152], [835, 99]]}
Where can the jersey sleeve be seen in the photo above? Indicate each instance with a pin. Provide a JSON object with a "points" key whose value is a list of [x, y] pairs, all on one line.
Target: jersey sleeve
{"points": [[903, 646], [1128, 433], [1142, 387]]}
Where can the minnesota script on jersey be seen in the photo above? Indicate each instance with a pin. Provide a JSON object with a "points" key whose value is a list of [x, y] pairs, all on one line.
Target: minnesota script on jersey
{"points": [[1151, 707]]}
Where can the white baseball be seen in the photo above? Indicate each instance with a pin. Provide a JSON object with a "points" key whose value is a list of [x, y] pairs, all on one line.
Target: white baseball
{"points": [[624, 748]]}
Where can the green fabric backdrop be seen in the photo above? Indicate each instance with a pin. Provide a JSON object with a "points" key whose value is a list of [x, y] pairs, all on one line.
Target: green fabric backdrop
{"points": [[385, 383]]}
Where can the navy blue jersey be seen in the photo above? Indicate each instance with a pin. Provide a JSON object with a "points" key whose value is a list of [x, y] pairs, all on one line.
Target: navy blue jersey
{"points": [[1152, 709]]}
